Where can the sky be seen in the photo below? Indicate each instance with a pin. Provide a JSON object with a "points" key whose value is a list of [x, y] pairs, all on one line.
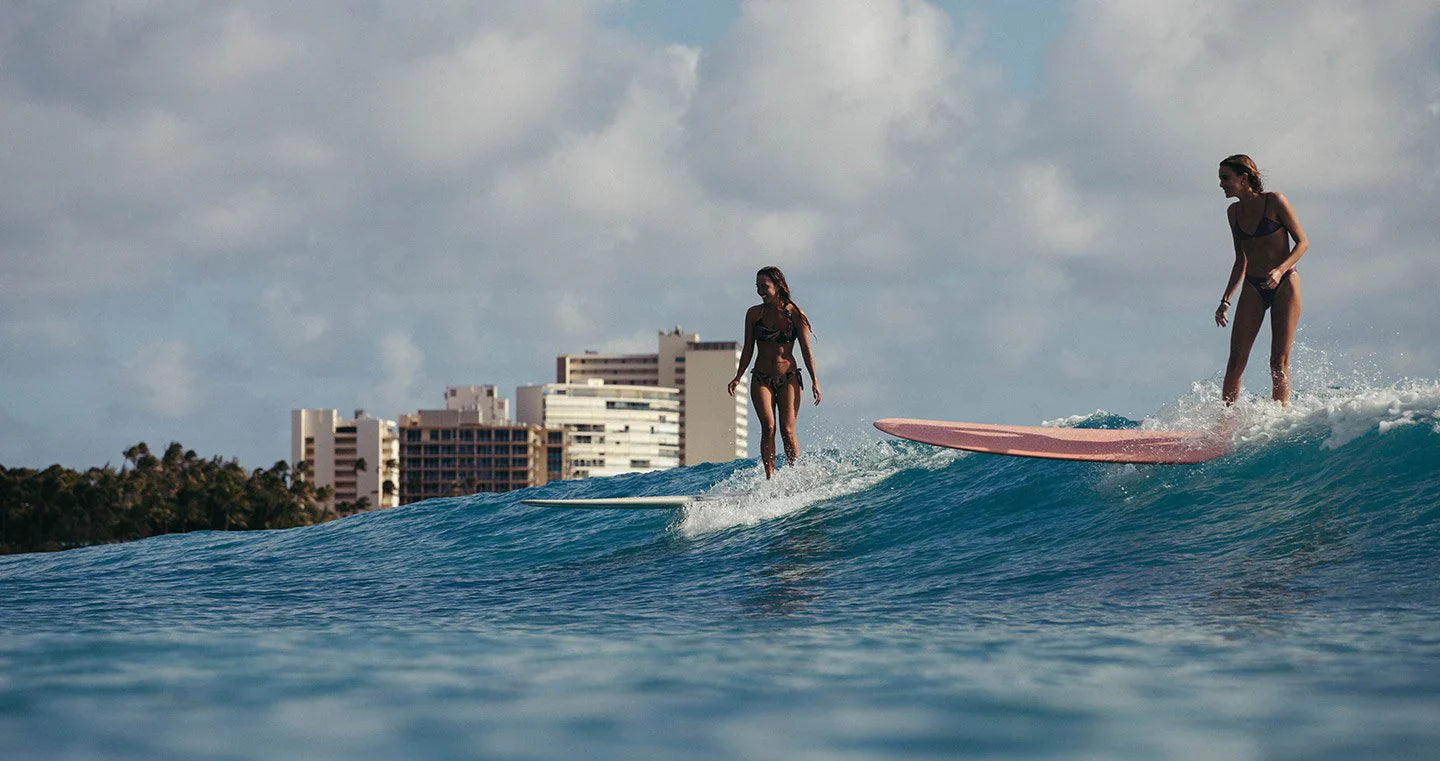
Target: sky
{"points": [[212, 213]]}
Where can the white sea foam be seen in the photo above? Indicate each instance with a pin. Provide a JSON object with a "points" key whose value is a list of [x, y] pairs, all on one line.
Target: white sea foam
{"points": [[1333, 401], [1070, 421], [1335, 415], [747, 498]]}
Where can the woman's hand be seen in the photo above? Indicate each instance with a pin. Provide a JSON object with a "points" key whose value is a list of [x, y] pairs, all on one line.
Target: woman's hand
{"points": [[733, 384], [1220, 312], [815, 390], [1272, 280]]}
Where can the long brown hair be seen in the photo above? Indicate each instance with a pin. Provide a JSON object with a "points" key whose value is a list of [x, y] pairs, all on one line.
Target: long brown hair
{"points": [[1245, 167], [782, 289]]}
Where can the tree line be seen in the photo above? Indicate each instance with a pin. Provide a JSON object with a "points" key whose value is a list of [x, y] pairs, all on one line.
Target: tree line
{"points": [[57, 508]]}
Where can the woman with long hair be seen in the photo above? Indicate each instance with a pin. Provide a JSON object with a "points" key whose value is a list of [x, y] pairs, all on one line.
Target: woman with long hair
{"points": [[1262, 226], [771, 329]]}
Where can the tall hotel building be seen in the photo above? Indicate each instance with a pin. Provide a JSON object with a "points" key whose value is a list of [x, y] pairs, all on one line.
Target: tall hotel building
{"points": [[713, 426], [611, 429], [471, 446], [357, 458]]}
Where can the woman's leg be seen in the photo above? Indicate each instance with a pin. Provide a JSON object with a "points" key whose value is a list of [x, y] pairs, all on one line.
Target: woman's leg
{"points": [[764, 401], [1249, 313], [1285, 315], [788, 400]]}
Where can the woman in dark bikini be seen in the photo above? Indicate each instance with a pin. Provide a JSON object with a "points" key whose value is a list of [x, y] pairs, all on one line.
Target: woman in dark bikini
{"points": [[1261, 226], [775, 384]]}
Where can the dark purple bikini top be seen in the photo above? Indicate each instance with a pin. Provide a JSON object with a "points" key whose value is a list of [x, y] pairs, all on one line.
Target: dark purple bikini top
{"points": [[1267, 226], [770, 335]]}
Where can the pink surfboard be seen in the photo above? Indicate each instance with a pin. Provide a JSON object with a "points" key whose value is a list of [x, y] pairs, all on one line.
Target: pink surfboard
{"points": [[1092, 444]]}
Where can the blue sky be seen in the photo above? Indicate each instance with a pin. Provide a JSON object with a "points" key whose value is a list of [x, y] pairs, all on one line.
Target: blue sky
{"points": [[993, 211]]}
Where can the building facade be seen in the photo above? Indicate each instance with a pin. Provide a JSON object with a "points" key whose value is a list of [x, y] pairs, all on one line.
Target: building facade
{"points": [[610, 429], [358, 459], [446, 453], [713, 426]]}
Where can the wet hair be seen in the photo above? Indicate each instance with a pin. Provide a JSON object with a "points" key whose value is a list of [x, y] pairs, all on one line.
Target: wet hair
{"points": [[1244, 166], [774, 275]]}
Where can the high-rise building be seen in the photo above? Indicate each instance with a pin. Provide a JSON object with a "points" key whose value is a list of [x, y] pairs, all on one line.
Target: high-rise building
{"points": [[713, 426], [357, 458], [443, 456], [471, 446], [610, 429]]}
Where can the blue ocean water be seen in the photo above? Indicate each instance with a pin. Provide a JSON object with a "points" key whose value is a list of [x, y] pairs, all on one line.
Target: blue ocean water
{"points": [[878, 599]]}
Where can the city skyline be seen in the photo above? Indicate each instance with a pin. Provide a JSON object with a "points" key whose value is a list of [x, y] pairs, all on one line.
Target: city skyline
{"points": [[713, 426]]}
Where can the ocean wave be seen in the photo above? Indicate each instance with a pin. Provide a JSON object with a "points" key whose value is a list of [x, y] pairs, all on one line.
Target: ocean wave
{"points": [[1360, 464]]}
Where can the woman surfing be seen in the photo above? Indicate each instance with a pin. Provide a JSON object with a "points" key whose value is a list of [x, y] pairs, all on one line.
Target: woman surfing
{"points": [[1262, 226], [773, 326]]}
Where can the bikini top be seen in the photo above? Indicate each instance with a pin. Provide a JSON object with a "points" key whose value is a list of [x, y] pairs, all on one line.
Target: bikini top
{"points": [[768, 334], [1267, 226]]}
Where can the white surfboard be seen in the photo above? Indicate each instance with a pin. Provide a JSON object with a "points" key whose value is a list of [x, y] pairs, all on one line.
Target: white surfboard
{"points": [[615, 503]]}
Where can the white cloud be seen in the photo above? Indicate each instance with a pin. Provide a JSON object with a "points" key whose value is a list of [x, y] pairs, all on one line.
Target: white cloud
{"points": [[290, 323], [787, 234], [1318, 90], [245, 48], [626, 171], [1050, 210], [297, 151], [570, 315], [161, 378], [29, 336], [399, 364], [454, 107], [811, 99], [241, 219]]}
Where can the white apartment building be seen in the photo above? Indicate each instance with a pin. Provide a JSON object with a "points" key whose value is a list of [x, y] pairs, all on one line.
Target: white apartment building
{"points": [[493, 409], [357, 458], [610, 429], [713, 426]]}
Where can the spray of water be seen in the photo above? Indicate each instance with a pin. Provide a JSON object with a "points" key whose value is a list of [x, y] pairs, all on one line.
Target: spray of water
{"points": [[1332, 402], [746, 498]]}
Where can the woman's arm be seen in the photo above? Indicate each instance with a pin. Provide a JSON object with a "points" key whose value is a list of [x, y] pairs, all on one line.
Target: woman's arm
{"points": [[1237, 271], [745, 354], [805, 352], [1302, 244]]}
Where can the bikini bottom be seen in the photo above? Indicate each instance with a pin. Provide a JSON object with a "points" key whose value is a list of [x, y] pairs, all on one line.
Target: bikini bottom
{"points": [[1267, 295], [777, 381]]}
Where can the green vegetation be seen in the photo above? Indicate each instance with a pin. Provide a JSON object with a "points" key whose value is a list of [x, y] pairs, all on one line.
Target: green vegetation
{"points": [[56, 508]]}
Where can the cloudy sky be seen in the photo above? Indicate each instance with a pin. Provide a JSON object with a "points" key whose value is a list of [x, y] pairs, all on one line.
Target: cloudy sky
{"points": [[214, 212]]}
